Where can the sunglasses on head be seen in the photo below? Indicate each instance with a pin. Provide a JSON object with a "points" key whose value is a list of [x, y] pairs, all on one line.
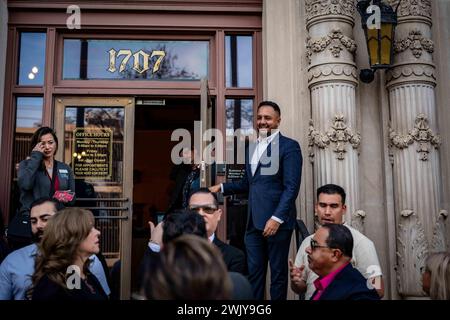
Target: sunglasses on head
{"points": [[206, 209]]}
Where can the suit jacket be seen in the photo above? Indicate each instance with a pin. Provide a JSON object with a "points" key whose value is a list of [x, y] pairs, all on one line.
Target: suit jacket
{"points": [[349, 284], [233, 257], [273, 188]]}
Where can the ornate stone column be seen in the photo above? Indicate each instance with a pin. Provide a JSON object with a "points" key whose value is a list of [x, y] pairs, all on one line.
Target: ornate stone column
{"points": [[414, 144], [332, 79]]}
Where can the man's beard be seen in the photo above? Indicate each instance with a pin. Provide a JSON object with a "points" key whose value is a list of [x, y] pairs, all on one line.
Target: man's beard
{"points": [[36, 237]]}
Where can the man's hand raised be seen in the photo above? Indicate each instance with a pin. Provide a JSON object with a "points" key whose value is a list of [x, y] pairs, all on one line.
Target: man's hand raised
{"points": [[297, 283]]}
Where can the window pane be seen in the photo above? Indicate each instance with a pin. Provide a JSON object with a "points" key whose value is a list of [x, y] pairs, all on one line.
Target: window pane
{"points": [[94, 148], [29, 113], [102, 147], [32, 58], [135, 60], [28, 119], [239, 61], [239, 115]]}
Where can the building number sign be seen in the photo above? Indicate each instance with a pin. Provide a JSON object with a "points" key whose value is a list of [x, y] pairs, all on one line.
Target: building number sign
{"points": [[127, 54]]}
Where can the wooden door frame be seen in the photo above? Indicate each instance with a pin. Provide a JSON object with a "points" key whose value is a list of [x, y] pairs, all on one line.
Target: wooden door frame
{"points": [[126, 225]]}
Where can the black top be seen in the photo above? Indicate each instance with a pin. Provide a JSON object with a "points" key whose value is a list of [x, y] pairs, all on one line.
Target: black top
{"points": [[90, 289]]}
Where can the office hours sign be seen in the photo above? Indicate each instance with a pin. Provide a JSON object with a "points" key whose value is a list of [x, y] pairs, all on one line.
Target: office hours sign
{"points": [[92, 153]]}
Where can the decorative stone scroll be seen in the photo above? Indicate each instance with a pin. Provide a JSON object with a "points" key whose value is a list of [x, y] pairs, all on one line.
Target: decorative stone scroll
{"points": [[358, 220], [335, 38], [316, 138], [438, 242], [421, 133], [415, 42], [412, 251], [315, 8], [339, 134]]}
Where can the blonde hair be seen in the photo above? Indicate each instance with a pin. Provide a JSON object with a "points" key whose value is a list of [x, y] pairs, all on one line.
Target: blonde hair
{"points": [[189, 268], [58, 249], [438, 265]]}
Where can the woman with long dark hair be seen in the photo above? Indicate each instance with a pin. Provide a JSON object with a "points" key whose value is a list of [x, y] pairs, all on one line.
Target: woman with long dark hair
{"points": [[40, 175], [62, 265]]}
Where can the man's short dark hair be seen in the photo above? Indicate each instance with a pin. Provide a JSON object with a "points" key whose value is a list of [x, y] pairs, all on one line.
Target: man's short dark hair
{"points": [[270, 104], [183, 222], [205, 191], [339, 237], [58, 205], [332, 189]]}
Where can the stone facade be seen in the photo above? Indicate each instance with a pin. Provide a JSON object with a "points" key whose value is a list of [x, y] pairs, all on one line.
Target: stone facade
{"points": [[384, 141]]}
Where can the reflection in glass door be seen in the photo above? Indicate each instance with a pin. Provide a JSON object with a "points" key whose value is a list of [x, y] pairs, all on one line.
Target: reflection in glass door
{"points": [[98, 145], [93, 143]]}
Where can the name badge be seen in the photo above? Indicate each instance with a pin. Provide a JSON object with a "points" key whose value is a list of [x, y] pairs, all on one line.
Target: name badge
{"points": [[63, 171]]}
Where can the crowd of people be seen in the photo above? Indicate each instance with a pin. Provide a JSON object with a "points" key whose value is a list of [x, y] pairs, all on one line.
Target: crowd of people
{"points": [[185, 259]]}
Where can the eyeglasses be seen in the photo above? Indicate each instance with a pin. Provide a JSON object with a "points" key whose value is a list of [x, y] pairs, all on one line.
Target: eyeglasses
{"points": [[206, 209], [314, 244]]}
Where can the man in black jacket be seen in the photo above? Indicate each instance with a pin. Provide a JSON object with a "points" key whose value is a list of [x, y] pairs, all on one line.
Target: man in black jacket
{"points": [[329, 256], [205, 203]]}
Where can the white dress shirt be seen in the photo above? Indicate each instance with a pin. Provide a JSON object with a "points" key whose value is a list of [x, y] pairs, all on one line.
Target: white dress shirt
{"points": [[260, 148]]}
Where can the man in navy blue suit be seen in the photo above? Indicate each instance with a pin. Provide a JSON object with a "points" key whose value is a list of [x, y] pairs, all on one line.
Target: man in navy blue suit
{"points": [[329, 256], [272, 178]]}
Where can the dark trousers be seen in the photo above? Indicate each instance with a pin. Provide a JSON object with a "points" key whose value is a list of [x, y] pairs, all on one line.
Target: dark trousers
{"points": [[273, 249]]}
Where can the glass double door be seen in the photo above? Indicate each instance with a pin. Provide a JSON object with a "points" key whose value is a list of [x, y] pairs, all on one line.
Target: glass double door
{"points": [[97, 142]]}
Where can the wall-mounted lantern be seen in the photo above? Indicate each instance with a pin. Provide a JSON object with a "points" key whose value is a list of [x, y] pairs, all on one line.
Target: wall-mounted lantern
{"points": [[378, 21]]}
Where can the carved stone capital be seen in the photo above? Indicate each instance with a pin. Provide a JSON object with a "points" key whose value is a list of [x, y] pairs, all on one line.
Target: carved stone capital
{"points": [[335, 41], [412, 250], [421, 134], [339, 135], [416, 42], [317, 9], [332, 72], [412, 8], [411, 72]]}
